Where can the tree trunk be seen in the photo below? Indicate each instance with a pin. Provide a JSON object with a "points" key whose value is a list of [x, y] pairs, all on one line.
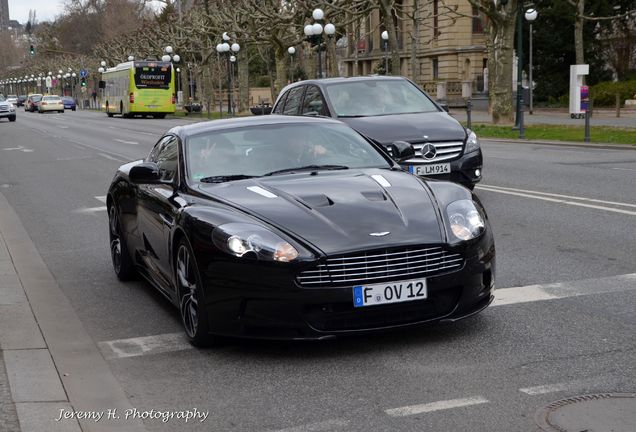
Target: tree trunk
{"points": [[499, 45], [331, 55], [415, 35], [578, 32], [243, 81], [386, 7], [281, 56]]}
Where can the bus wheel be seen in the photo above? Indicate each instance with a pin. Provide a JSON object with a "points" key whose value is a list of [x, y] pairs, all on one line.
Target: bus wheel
{"points": [[109, 114]]}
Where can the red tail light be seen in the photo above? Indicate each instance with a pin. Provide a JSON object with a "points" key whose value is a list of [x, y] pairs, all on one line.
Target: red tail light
{"points": [[174, 99], [131, 99]]}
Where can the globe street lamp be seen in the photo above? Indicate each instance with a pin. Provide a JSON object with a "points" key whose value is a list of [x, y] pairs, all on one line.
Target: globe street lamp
{"points": [[291, 51], [226, 49], [385, 42], [314, 34], [531, 15], [169, 56]]}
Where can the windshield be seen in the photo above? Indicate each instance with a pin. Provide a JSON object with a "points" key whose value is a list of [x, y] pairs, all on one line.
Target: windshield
{"points": [[260, 150], [153, 75], [2, 98], [377, 97], [36, 98]]}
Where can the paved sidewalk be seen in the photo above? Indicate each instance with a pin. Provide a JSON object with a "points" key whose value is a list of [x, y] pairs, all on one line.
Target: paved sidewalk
{"points": [[52, 365], [558, 117]]}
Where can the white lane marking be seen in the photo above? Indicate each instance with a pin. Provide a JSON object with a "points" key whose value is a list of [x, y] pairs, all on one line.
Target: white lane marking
{"points": [[20, 148], [85, 210], [138, 346], [126, 142], [559, 201], [133, 130], [62, 127], [624, 169], [525, 294], [567, 197], [555, 291], [435, 406], [101, 198], [564, 386], [73, 158], [327, 425], [104, 155]]}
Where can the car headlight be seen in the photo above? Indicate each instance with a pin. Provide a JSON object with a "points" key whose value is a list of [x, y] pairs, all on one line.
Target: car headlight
{"points": [[11, 108], [256, 242], [466, 222], [472, 142]]}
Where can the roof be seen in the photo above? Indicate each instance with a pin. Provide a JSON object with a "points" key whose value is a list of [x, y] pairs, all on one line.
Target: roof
{"points": [[337, 80], [196, 128]]}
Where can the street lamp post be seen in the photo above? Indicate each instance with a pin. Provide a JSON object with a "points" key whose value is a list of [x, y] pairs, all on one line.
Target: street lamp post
{"points": [[314, 33], [519, 122], [101, 70], [385, 42], [531, 15], [224, 49], [169, 56], [291, 51]]}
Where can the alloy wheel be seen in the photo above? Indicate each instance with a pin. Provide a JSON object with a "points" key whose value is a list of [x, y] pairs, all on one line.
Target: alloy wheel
{"points": [[187, 281]]}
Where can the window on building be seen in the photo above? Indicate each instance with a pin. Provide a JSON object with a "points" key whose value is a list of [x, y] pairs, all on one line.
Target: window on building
{"points": [[435, 18], [435, 68], [478, 22]]}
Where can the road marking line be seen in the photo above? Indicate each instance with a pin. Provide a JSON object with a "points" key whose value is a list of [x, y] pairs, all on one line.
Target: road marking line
{"points": [[101, 198], [126, 142], [608, 209], [435, 406], [624, 169], [134, 347], [620, 204], [104, 155], [62, 127], [525, 294], [90, 209], [564, 386], [327, 425]]}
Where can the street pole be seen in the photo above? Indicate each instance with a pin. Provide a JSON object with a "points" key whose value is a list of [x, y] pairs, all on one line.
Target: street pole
{"points": [[530, 69], [229, 87], [319, 56], [519, 64]]}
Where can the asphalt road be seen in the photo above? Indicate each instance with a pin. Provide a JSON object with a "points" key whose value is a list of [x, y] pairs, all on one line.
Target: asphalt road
{"points": [[563, 217]]}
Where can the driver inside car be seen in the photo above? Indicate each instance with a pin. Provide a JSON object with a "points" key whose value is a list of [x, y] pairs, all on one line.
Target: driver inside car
{"points": [[212, 156]]}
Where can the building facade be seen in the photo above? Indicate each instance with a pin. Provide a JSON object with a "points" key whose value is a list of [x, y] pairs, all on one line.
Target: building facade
{"points": [[449, 45], [4, 15]]}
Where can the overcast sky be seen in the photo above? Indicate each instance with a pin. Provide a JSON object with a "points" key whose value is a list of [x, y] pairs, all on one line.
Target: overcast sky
{"points": [[46, 9]]}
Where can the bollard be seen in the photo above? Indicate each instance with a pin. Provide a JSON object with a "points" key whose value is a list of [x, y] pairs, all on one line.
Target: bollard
{"points": [[587, 126], [522, 129], [469, 108]]}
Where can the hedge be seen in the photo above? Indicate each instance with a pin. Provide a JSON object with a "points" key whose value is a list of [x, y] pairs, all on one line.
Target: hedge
{"points": [[604, 93]]}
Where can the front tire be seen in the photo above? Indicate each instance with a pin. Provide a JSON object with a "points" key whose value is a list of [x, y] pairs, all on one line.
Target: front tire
{"points": [[12, 118], [190, 296], [122, 262]]}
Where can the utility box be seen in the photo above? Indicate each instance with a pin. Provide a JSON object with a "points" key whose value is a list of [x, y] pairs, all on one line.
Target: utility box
{"points": [[577, 72]]}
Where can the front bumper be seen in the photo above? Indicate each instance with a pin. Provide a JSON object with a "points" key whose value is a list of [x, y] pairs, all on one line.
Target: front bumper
{"points": [[7, 114], [265, 304], [463, 170]]}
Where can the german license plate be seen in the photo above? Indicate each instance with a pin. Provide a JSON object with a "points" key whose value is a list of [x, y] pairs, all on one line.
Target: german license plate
{"points": [[390, 292], [432, 169]]}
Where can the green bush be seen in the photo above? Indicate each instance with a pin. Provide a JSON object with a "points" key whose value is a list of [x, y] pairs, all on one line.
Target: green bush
{"points": [[604, 93], [261, 81]]}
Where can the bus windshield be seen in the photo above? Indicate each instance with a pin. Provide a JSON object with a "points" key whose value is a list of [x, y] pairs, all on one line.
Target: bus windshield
{"points": [[154, 75]]}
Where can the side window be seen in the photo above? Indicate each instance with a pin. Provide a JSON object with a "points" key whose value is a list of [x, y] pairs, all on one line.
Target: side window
{"points": [[278, 109], [168, 159], [152, 156], [314, 104], [292, 104]]}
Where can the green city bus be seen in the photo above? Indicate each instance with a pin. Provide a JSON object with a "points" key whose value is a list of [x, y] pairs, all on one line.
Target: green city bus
{"points": [[144, 88]]}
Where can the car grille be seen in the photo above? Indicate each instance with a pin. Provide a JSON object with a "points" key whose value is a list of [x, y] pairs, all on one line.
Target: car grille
{"points": [[4, 108], [381, 266], [444, 150]]}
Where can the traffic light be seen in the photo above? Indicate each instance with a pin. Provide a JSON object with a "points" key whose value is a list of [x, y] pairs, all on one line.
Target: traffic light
{"points": [[32, 50], [83, 82]]}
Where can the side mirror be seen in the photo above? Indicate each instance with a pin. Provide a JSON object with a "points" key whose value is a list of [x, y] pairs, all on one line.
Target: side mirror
{"points": [[401, 151], [144, 173]]}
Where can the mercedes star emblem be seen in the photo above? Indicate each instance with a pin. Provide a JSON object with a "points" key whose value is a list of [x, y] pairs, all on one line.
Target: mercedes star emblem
{"points": [[429, 151]]}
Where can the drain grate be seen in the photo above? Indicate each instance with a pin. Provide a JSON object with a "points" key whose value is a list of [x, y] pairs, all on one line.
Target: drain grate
{"points": [[614, 412]]}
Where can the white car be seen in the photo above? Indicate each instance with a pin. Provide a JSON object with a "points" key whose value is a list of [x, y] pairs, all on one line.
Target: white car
{"points": [[13, 99], [7, 109], [51, 103]]}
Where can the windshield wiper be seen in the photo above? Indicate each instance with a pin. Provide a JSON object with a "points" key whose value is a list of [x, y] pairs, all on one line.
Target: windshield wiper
{"points": [[308, 168], [225, 178]]}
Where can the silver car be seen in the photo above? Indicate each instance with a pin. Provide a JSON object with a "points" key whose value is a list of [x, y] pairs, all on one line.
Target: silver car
{"points": [[7, 109]]}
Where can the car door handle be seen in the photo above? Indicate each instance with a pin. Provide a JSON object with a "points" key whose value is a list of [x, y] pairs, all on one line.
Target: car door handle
{"points": [[166, 220]]}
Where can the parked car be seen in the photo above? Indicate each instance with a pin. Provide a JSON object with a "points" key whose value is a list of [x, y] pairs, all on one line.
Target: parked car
{"points": [[7, 109], [21, 100], [387, 109], [33, 102], [69, 103], [297, 228], [51, 103]]}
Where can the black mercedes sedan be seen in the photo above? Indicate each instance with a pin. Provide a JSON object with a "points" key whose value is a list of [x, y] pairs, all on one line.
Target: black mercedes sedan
{"points": [[387, 109], [297, 228]]}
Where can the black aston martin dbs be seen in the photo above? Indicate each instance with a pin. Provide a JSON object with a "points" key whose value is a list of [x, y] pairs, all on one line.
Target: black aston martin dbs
{"points": [[297, 228]]}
